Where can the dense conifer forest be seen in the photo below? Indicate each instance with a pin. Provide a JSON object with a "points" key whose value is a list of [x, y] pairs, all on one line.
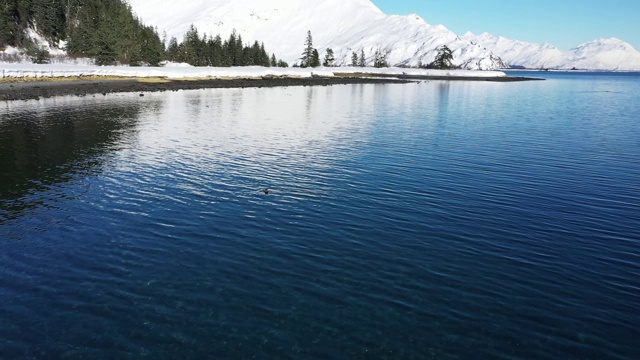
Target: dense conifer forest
{"points": [[212, 51], [102, 29], [108, 31]]}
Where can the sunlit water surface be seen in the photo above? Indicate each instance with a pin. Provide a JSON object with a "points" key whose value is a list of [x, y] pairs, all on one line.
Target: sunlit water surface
{"points": [[436, 220]]}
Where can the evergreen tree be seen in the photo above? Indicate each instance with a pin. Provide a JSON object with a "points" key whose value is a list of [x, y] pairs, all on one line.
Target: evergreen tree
{"points": [[238, 56], [8, 26], [122, 31], [216, 51], [108, 31], [204, 51], [151, 48], [354, 59], [103, 49], [49, 17], [274, 62], [444, 59], [282, 64], [329, 58], [23, 13], [362, 62], [251, 55], [190, 46], [38, 54], [229, 49], [380, 59], [264, 57], [173, 50], [72, 15], [307, 55], [315, 58]]}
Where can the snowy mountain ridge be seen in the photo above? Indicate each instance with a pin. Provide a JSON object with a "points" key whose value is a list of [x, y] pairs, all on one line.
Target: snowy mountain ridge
{"points": [[349, 26], [346, 26], [600, 54]]}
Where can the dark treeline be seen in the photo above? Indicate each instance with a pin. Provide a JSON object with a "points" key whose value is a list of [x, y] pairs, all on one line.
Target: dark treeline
{"points": [[212, 51], [105, 30]]}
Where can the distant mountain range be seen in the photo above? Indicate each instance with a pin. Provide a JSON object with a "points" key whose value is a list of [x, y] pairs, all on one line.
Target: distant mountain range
{"points": [[349, 26], [601, 54]]}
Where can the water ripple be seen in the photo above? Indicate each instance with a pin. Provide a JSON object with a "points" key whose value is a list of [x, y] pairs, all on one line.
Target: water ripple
{"points": [[423, 221]]}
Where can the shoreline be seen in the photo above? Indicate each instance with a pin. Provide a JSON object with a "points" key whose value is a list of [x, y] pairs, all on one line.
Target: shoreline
{"points": [[35, 89]]}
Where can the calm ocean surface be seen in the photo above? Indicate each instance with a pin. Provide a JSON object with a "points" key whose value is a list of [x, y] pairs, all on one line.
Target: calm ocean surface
{"points": [[440, 220]]}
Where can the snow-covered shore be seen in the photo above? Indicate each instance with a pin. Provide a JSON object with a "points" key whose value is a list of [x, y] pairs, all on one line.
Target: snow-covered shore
{"points": [[174, 71]]}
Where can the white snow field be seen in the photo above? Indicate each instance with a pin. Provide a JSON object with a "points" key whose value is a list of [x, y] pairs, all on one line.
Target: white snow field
{"points": [[352, 25], [182, 71]]}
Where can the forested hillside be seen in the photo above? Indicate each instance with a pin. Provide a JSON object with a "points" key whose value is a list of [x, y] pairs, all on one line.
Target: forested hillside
{"points": [[107, 31], [212, 51], [102, 29]]}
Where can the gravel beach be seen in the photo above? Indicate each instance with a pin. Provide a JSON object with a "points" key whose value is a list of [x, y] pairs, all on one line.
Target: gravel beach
{"points": [[45, 88]]}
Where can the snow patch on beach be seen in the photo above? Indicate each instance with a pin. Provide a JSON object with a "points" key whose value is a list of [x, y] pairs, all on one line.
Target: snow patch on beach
{"points": [[180, 71]]}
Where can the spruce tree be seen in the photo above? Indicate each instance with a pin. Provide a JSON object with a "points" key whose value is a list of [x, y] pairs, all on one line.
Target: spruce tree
{"points": [[264, 57], [173, 50], [229, 49], [216, 52], [103, 50], [307, 55], [315, 58], [191, 45], [238, 57], [329, 58], [151, 47], [444, 59], [380, 59], [7, 23], [354, 59], [49, 16], [362, 62], [107, 31]]}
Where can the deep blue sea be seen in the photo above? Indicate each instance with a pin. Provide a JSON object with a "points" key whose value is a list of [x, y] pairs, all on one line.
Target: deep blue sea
{"points": [[437, 220]]}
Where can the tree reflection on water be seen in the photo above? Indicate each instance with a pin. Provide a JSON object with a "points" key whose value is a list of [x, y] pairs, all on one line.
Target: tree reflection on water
{"points": [[43, 146]]}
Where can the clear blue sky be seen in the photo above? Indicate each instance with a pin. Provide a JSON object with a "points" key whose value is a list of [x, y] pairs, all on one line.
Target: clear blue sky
{"points": [[563, 23]]}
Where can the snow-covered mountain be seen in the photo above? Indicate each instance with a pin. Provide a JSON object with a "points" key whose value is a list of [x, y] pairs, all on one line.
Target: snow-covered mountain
{"points": [[348, 26], [520, 53], [612, 54], [601, 54]]}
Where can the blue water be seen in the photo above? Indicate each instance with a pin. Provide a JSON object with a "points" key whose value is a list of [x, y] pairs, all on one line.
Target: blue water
{"points": [[440, 220]]}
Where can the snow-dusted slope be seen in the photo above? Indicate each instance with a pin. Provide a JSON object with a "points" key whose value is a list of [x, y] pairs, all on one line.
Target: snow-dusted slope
{"points": [[515, 52], [613, 54], [601, 54], [351, 25], [343, 25]]}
